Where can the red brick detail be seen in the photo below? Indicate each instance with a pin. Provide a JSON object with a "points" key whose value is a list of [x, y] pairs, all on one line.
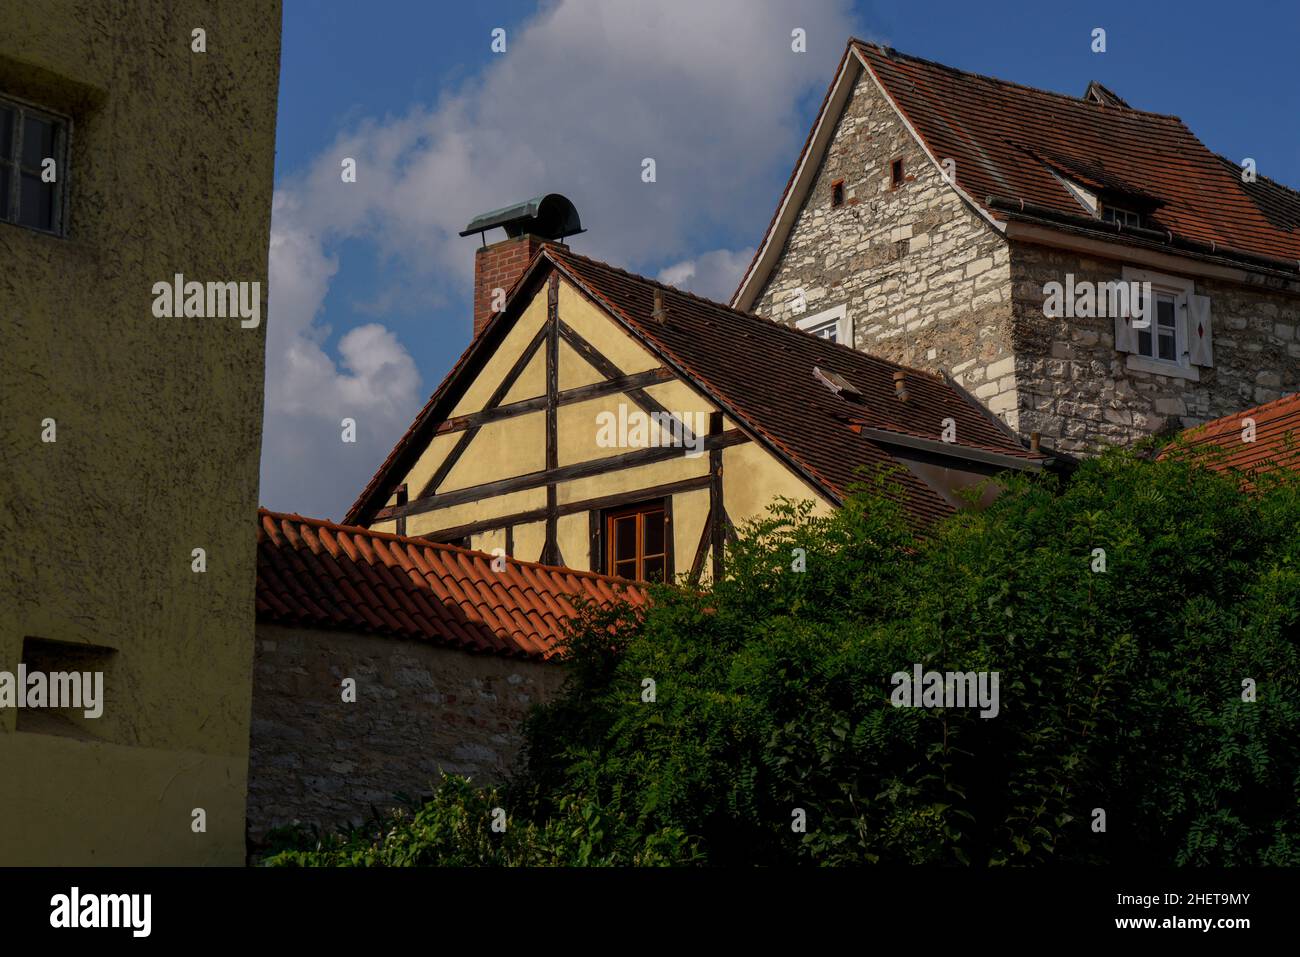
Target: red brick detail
{"points": [[498, 267]]}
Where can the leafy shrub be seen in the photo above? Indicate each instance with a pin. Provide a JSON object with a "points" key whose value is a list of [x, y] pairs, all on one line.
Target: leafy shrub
{"points": [[1120, 690], [454, 829]]}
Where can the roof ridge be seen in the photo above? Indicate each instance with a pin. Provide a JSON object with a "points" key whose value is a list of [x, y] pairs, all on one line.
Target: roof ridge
{"points": [[888, 51], [438, 546], [785, 329]]}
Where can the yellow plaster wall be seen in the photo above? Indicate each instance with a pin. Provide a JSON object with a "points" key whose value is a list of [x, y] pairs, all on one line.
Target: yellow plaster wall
{"points": [[594, 326], [494, 372], [529, 540], [158, 423], [690, 512], [428, 523], [573, 534], [531, 382], [752, 477], [486, 541], [575, 371], [501, 449]]}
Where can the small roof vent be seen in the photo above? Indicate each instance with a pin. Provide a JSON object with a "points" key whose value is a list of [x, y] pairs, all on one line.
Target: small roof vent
{"points": [[838, 384], [551, 216], [1097, 93]]}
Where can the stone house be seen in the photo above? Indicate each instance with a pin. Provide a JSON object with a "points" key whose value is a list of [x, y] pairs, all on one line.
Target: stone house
{"points": [[933, 213]]}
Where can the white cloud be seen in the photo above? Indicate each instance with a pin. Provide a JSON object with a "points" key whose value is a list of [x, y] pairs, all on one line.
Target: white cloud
{"points": [[587, 89], [713, 275]]}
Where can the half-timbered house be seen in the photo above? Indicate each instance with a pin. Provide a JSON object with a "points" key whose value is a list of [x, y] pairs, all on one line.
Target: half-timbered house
{"points": [[605, 421]]}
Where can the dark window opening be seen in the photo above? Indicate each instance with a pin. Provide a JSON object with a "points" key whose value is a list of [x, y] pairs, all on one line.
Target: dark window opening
{"points": [[896, 173], [29, 140], [837, 193], [636, 542], [77, 678]]}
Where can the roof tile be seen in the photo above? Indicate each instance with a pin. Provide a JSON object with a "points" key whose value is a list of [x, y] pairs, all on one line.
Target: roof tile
{"points": [[312, 572], [1276, 441]]}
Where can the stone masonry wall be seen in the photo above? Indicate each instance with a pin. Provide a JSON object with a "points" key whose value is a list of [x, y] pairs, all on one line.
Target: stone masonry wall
{"points": [[926, 280], [1079, 392], [421, 710]]}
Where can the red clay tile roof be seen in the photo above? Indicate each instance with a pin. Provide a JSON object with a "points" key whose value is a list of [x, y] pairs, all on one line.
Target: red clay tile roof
{"points": [[1276, 445], [761, 374], [993, 129], [315, 573], [1006, 139]]}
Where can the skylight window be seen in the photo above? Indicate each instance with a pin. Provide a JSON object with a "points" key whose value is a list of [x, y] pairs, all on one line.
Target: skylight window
{"points": [[837, 384]]}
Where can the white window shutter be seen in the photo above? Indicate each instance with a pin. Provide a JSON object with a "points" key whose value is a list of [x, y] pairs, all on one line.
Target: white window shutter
{"points": [[1200, 341], [1126, 339]]}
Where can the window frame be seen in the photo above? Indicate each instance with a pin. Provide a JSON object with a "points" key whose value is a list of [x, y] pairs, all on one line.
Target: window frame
{"points": [[821, 320], [609, 551], [1180, 290], [1130, 217], [63, 128]]}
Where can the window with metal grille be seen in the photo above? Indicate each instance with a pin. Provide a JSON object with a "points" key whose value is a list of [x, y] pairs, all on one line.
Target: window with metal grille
{"points": [[33, 166]]}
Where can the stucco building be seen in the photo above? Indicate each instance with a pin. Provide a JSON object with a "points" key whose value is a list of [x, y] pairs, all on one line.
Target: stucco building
{"points": [[131, 150], [932, 210]]}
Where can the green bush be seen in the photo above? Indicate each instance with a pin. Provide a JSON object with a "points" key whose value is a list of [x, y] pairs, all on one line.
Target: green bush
{"points": [[455, 829], [1120, 690]]}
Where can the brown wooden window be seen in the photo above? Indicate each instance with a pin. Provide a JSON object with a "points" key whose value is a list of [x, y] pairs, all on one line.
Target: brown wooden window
{"points": [[837, 193], [896, 173], [636, 542]]}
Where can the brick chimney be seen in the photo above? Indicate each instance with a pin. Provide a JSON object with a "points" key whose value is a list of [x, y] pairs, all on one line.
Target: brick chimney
{"points": [[529, 226], [497, 267]]}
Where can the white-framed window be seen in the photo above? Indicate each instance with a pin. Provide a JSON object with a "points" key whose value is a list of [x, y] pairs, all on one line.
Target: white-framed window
{"points": [[1117, 214], [832, 324], [1169, 336]]}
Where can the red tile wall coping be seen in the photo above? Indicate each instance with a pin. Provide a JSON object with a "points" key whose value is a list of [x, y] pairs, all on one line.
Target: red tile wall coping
{"points": [[312, 572]]}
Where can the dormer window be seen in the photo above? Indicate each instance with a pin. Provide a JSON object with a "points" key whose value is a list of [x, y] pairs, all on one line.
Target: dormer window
{"points": [[1117, 214]]}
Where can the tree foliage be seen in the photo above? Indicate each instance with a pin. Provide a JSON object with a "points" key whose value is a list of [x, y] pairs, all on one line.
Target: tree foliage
{"points": [[1120, 690]]}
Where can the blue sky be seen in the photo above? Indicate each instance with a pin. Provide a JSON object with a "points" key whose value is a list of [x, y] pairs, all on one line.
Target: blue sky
{"points": [[370, 286]]}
